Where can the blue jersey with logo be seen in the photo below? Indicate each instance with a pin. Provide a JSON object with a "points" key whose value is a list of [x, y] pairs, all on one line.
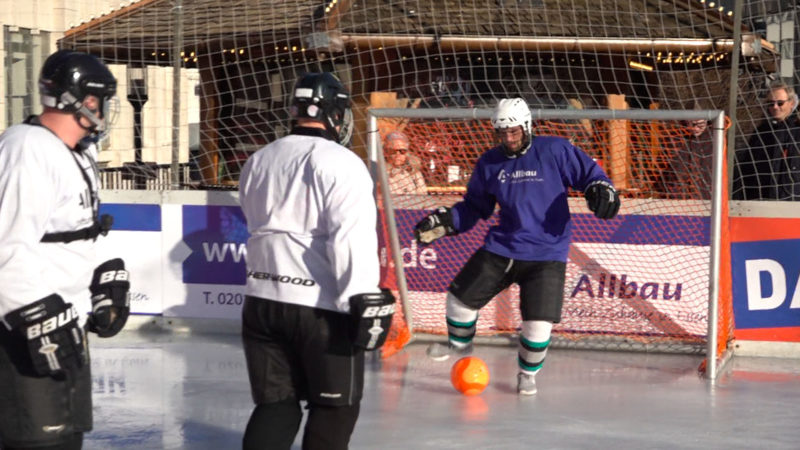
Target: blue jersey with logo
{"points": [[531, 191]]}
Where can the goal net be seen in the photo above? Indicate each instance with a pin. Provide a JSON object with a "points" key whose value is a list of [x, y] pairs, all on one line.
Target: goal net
{"points": [[213, 79], [640, 281]]}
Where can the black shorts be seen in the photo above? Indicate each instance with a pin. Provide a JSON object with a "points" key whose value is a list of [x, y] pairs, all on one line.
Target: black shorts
{"points": [[36, 410], [541, 284], [301, 352]]}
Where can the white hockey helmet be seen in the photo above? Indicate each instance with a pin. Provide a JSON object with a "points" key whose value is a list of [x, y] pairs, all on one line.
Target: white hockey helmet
{"points": [[510, 113]]}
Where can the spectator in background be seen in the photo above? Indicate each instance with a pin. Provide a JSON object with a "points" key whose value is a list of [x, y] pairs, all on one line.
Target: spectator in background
{"points": [[404, 169], [688, 171], [769, 168]]}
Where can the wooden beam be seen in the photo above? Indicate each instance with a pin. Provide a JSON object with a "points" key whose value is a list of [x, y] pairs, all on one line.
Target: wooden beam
{"points": [[110, 17], [618, 144], [209, 127], [342, 6]]}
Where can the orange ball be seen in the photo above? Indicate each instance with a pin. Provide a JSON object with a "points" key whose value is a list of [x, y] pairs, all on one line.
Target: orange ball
{"points": [[469, 375]]}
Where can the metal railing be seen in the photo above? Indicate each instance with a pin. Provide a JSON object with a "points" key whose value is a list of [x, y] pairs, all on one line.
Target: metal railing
{"points": [[145, 176]]}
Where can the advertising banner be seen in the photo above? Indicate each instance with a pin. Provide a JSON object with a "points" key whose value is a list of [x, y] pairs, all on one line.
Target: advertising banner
{"points": [[189, 261], [765, 259], [136, 238], [209, 259], [620, 277]]}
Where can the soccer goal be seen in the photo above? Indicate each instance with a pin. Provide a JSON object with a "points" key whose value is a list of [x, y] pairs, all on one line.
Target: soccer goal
{"points": [[655, 278]]}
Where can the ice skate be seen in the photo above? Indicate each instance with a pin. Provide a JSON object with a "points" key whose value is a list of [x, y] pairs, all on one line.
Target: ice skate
{"points": [[526, 384], [441, 352]]}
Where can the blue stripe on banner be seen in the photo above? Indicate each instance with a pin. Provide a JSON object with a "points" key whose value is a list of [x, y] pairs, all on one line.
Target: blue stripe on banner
{"points": [[586, 228], [641, 230], [133, 217]]}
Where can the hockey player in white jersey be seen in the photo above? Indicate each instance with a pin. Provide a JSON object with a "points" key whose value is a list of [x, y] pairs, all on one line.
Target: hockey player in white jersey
{"points": [[52, 288], [313, 304]]}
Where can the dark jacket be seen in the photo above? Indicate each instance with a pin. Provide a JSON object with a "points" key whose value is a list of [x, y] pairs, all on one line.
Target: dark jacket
{"points": [[688, 172], [769, 169]]}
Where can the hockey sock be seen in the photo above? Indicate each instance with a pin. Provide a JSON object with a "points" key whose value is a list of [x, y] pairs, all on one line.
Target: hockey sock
{"points": [[533, 341], [461, 321], [329, 427], [273, 425]]}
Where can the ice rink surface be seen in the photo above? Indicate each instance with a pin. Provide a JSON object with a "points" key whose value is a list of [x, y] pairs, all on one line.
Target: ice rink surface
{"points": [[165, 390]]}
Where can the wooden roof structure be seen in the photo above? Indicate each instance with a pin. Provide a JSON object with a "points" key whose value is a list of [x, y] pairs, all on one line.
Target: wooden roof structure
{"points": [[399, 47], [145, 30]]}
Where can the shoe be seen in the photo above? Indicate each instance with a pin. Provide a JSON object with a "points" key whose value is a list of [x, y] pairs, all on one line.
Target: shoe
{"points": [[440, 352], [526, 384]]}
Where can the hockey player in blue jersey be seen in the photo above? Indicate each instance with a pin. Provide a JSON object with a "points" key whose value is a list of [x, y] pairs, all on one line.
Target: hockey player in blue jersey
{"points": [[528, 178]]}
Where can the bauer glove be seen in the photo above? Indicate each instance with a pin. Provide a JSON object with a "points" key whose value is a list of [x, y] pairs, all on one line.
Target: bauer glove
{"points": [[110, 299], [50, 329], [372, 318], [602, 199], [435, 225]]}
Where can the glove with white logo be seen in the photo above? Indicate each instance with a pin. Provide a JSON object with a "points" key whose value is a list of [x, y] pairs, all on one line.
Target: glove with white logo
{"points": [[110, 299], [50, 328], [602, 199], [435, 225], [372, 316]]}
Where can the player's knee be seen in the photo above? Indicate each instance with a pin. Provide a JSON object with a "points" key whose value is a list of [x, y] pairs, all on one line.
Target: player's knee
{"points": [[330, 427], [273, 425], [458, 311]]}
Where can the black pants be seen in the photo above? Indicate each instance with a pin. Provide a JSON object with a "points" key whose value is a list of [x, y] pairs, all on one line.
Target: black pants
{"points": [[295, 353], [541, 284], [40, 411]]}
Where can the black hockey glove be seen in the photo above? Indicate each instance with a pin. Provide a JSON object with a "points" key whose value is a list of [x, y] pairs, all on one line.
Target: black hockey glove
{"points": [[54, 338], [372, 317], [435, 225], [110, 299], [602, 199]]}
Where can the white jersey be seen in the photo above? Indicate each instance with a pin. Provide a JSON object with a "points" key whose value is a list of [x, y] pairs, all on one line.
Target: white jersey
{"points": [[44, 188], [312, 222]]}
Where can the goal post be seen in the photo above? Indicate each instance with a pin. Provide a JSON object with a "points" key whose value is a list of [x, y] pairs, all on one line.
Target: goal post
{"points": [[650, 279]]}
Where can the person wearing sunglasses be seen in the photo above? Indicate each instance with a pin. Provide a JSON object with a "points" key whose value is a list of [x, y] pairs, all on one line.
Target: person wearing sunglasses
{"points": [[404, 169], [769, 168]]}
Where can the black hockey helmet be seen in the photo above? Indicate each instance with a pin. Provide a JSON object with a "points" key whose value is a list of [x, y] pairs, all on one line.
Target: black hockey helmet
{"points": [[68, 77], [322, 97]]}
